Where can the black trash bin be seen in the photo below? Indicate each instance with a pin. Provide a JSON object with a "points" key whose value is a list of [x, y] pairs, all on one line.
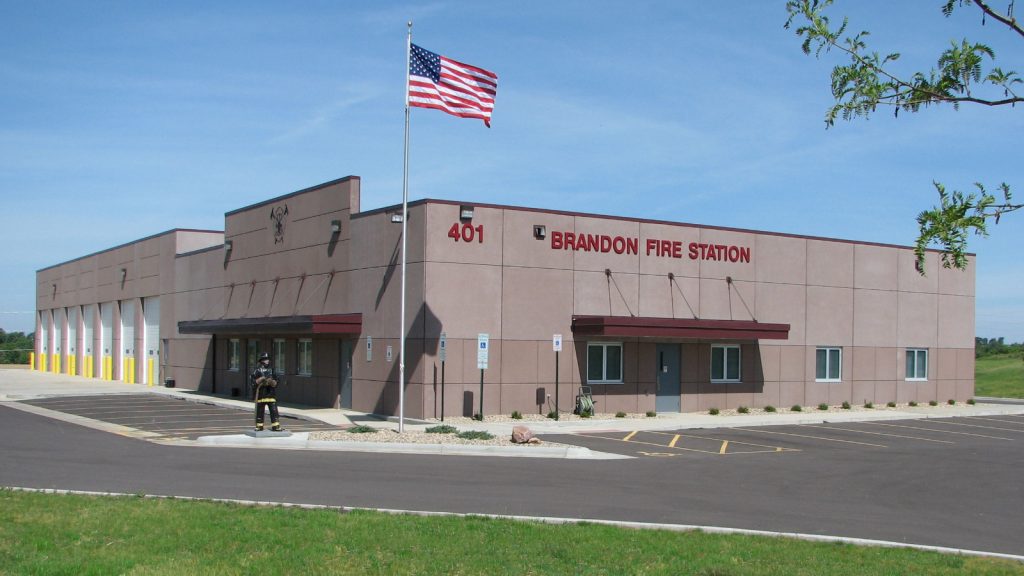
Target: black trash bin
{"points": [[168, 382]]}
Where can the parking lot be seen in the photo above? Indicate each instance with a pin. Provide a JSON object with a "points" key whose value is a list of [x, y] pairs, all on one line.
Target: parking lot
{"points": [[778, 441], [167, 417]]}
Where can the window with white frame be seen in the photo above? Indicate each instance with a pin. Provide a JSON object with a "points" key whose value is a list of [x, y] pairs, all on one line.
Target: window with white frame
{"points": [[604, 362], [917, 364], [725, 363], [279, 355], [828, 364], [304, 357], [234, 355]]}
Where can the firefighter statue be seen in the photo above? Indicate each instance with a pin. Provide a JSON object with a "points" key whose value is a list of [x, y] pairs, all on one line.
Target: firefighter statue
{"points": [[264, 384]]}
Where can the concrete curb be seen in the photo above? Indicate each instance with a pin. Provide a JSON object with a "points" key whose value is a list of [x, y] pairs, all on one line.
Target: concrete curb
{"points": [[301, 441]]}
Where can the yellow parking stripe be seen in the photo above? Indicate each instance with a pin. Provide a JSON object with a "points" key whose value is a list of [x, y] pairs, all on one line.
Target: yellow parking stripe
{"points": [[976, 426], [712, 438], [649, 443], [880, 434], [725, 444], [672, 444], [942, 431], [811, 437], [630, 435]]}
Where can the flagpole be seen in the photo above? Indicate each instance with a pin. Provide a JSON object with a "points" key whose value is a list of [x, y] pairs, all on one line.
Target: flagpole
{"points": [[405, 228]]}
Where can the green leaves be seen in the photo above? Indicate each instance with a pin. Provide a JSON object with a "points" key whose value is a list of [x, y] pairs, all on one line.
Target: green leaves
{"points": [[950, 223]]}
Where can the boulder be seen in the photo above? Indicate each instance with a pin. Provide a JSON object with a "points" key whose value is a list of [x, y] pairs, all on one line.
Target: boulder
{"points": [[523, 435]]}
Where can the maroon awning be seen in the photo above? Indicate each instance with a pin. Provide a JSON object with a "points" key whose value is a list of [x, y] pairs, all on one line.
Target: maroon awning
{"points": [[317, 324], [678, 328]]}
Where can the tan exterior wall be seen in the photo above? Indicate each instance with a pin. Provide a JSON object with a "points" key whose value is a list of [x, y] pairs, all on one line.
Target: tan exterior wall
{"points": [[493, 275]]}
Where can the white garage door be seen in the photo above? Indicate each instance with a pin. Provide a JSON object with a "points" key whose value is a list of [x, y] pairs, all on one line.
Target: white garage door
{"points": [[151, 313]]}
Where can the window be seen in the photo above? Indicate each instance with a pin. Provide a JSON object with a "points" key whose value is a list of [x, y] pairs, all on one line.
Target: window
{"points": [[604, 362], [725, 363], [305, 357], [252, 354], [234, 355], [828, 365], [917, 364], [279, 355]]}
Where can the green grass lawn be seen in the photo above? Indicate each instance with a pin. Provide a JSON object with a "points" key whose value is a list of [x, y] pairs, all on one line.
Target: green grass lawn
{"points": [[1000, 375], [68, 534]]}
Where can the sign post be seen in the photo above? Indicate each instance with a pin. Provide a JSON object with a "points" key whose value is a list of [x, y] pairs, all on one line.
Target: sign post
{"points": [[482, 348], [556, 345], [444, 356]]}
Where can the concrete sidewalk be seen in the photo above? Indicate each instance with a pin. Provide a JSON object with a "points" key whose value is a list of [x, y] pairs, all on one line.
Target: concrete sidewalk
{"points": [[20, 384]]}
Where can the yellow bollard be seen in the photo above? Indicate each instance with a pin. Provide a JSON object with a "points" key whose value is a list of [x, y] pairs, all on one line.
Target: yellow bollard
{"points": [[42, 362], [108, 368], [56, 363], [149, 372], [31, 360], [88, 366], [131, 370]]}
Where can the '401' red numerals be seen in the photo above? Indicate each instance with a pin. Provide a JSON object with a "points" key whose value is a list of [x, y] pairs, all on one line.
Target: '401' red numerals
{"points": [[466, 232]]}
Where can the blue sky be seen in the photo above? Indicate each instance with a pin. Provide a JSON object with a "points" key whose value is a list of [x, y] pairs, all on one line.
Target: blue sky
{"points": [[119, 120]]}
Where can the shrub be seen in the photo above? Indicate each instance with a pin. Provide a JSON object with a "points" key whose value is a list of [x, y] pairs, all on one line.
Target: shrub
{"points": [[822, 406], [951, 402], [713, 411], [933, 403], [478, 417], [796, 408], [869, 405], [516, 415], [971, 401], [912, 404], [743, 410], [846, 405], [891, 404], [553, 415], [652, 414], [441, 429], [769, 408], [620, 414], [475, 435], [361, 429]]}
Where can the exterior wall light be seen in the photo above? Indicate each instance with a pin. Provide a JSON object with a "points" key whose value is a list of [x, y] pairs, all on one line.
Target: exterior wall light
{"points": [[124, 274], [539, 231], [397, 218], [229, 245], [335, 226], [465, 212]]}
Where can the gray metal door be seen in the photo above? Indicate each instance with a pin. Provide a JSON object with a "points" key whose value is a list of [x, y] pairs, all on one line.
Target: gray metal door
{"points": [[345, 373], [668, 378]]}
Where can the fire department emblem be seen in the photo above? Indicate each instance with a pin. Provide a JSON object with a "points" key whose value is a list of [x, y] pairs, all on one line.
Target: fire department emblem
{"points": [[277, 217]]}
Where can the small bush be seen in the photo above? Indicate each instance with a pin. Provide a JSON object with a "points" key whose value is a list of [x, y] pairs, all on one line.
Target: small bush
{"points": [[951, 402], [516, 415], [361, 429], [891, 404], [553, 415], [769, 408], [478, 417], [912, 404], [971, 401], [620, 414], [441, 429], [743, 410], [822, 406], [713, 411], [796, 408], [846, 405], [586, 414], [933, 403], [652, 414], [475, 435], [869, 405]]}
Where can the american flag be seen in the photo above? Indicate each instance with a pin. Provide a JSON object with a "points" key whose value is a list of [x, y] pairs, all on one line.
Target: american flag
{"points": [[453, 87]]}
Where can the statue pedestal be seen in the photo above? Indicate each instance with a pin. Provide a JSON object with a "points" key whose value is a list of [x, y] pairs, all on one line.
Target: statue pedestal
{"points": [[268, 434]]}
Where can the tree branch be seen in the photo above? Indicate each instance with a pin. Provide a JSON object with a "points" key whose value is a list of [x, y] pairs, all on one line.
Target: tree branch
{"points": [[1010, 22]]}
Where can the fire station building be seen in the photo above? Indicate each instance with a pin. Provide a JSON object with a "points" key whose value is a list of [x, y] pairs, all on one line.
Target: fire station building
{"points": [[652, 315]]}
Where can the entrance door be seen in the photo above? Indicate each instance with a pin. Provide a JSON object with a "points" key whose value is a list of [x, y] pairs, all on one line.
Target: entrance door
{"points": [[345, 373], [668, 378]]}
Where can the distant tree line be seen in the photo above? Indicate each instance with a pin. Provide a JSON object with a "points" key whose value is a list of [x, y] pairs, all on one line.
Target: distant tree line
{"points": [[14, 346], [993, 346]]}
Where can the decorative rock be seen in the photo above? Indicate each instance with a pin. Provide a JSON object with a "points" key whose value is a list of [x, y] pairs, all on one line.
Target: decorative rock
{"points": [[523, 435]]}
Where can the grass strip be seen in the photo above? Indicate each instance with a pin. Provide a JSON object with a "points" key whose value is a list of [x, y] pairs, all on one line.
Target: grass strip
{"points": [[1000, 375], [73, 534]]}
